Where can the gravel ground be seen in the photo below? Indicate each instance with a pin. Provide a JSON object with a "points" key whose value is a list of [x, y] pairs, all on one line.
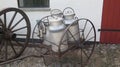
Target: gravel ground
{"points": [[105, 55]]}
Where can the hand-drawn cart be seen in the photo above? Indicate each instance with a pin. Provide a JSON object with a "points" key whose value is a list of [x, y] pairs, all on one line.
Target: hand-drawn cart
{"points": [[58, 35]]}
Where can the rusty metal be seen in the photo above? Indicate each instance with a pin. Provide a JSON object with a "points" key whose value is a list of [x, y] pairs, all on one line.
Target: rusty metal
{"points": [[12, 22]]}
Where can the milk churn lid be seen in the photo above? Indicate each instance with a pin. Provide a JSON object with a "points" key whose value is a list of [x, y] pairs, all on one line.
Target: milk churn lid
{"points": [[68, 11], [56, 12]]}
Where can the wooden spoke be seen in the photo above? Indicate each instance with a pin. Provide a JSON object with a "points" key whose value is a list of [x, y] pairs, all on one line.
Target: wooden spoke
{"points": [[17, 23], [12, 46], [6, 50], [19, 29], [19, 43], [89, 32], [1, 45], [5, 20], [93, 37], [85, 26], [12, 20], [85, 53]]}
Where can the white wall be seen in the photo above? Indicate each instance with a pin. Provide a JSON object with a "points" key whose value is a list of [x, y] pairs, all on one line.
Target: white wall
{"points": [[91, 9]]}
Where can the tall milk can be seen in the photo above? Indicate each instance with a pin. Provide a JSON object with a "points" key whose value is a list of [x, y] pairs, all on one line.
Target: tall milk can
{"points": [[69, 18], [56, 30]]}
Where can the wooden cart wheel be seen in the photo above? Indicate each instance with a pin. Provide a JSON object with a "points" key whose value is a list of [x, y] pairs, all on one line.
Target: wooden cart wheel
{"points": [[15, 33], [79, 52]]}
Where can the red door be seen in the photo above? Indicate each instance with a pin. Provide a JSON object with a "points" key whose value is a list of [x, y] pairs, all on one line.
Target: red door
{"points": [[110, 27]]}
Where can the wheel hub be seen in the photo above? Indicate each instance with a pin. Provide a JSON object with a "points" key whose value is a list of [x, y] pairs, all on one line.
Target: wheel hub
{"points": [[9, 35]]}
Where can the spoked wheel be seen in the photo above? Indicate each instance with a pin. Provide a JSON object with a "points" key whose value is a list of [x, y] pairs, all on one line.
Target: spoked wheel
{"points": [[15, 33], [80, 50]]}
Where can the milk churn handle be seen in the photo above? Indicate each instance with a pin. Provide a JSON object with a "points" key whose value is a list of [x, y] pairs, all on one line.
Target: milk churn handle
{"points": [[55, 11], [67, 8]]}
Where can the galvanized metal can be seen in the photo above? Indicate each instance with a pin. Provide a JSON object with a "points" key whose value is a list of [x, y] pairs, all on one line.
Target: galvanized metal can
{"points": [[55, 32], [73, 33]]}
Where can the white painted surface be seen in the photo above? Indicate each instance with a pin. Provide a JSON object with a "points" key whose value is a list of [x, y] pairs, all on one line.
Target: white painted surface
{"points": [[91, 9]]}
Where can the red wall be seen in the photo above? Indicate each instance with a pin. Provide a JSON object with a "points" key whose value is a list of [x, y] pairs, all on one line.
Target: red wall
{"points": [[110, 22]]}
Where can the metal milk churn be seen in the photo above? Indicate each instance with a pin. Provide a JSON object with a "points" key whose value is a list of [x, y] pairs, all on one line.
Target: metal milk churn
{"points": [[69, 18], [56, 29]]}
